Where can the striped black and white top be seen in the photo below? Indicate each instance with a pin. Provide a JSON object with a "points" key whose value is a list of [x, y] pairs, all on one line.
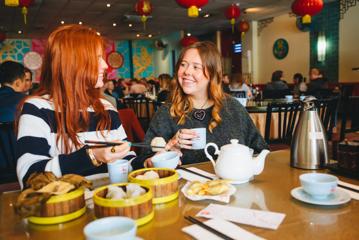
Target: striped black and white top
{"points": [[38, 151]]}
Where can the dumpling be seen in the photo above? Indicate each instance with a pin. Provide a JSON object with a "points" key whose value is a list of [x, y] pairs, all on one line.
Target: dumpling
{"points": [[114, 192], [134, 190], [149, 175], [158, 141]]}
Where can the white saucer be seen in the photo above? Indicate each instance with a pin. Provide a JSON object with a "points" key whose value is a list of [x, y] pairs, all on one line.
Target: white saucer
{"points": [[337, 198]]}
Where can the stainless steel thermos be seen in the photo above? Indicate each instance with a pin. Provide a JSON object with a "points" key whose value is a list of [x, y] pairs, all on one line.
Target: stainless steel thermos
{"points": [[309, 148]]}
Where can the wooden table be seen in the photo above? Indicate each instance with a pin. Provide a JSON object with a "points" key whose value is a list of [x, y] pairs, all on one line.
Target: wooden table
{"points": [[268, 191]]}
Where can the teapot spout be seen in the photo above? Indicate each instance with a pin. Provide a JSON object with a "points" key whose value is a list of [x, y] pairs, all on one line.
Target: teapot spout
{"points": [[258, 164]]}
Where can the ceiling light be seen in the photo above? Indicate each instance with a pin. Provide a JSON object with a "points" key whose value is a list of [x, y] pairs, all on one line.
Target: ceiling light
{"points": [[108, 5], [149, 35], [19, 32], [253, 10], [62, 22], [130, 24], [137, 35], [114, 24], [80, 23], [207, 15], [199, 9], [98, 33], [188, 34]]}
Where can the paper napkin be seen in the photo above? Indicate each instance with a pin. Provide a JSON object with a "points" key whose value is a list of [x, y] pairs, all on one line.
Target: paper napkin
{"points": [[223, 226], [193, 177], [352, 194], [258, 218]]}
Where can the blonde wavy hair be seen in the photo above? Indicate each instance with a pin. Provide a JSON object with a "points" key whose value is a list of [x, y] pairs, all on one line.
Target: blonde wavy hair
{"points": [[182, 106]]}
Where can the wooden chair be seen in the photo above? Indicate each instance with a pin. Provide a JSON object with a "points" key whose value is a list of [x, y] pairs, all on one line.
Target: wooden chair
{"points": [[287, 116], [350, 116], [327, 110], [141, 107], [8, 178]]}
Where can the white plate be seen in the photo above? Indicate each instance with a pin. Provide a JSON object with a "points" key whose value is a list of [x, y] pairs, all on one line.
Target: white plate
{"points": [[224, 197], [337, 198]]}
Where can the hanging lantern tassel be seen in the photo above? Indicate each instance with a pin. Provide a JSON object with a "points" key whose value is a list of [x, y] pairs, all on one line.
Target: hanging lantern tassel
{"points": [[143, 20], [24, 12], [233, 21]]}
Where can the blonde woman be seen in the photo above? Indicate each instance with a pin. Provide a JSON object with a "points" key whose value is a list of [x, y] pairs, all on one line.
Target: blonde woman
{"points": [[198, 101]]}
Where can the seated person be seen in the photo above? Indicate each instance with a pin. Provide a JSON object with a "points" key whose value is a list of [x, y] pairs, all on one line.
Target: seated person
{"points": [[277, 88], [299, 84], [12, 79], [68, 109], [198, 101], [165, 83], [237, 84], [28, 81], [318, 84], [225, 83], [137, 88]]}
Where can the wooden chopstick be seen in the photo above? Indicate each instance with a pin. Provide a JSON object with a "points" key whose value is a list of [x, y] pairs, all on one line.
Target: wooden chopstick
{"points": [[205, 226], [348, 188], [196, 173]]}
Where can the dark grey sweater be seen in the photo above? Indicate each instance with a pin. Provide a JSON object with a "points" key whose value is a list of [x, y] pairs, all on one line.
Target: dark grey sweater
{"points": [[236, 124]]}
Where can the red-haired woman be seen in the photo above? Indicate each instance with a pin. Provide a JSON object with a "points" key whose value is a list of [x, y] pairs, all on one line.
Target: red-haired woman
{"points": [[198, 101], [68, 109]]}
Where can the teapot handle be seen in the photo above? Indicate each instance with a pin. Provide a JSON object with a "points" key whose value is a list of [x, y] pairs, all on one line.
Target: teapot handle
{"points": [[216, 152]]}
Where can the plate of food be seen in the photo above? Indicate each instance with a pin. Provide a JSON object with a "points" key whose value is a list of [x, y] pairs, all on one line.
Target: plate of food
{"points": [[218, 190]]}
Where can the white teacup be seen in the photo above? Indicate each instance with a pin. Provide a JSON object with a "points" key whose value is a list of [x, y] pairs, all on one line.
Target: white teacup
{"points": [[200, 141], [289, 97], [109, 228], [166, 160], [318, 185], [118, 171]]}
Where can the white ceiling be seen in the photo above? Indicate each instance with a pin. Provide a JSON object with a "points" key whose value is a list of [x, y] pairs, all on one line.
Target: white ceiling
{"points": [[167, 16]]}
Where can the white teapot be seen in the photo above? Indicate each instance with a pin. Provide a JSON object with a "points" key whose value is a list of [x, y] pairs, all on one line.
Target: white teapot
{"points": [[235, 161]]}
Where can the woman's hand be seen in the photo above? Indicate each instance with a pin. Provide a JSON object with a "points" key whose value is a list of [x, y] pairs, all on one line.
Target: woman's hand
{"points": [[182, 139], [110, 154]]}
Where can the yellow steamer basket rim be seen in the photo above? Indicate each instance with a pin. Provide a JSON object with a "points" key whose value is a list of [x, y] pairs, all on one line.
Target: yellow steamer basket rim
{"points": [[151, 182]]}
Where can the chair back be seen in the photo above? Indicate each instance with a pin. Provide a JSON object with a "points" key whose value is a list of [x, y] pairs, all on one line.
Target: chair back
{"points": [[276, 94], [142, 108], [7, 153], [238, 94], [287, 116], [350, 116], [327, 111]]}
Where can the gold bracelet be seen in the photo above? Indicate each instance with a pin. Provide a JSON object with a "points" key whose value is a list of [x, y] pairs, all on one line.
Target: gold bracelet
{"points": [[94, 161]]}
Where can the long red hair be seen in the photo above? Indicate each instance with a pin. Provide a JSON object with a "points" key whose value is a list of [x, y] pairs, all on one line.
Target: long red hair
{"points": [[69, 74], [212, 62]]}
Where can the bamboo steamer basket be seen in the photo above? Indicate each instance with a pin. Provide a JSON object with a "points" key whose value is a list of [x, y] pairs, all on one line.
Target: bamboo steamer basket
{"points": [[138, 208], [61, 208], [164, 189]]}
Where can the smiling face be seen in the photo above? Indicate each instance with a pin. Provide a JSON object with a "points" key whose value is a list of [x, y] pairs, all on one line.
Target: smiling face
{"points": [[102, 66], [191, 75]]}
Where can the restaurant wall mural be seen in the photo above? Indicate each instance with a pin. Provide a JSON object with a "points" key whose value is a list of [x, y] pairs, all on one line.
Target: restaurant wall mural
{"points": [[16, 49], [142, 59]]}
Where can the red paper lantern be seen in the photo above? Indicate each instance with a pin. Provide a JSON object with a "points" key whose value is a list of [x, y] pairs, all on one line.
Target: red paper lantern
{"points": [[232, 13], [307, 9], [192, 6], [243, 27], [25, 4], [144, 9], [2, 37], [188, 40]]}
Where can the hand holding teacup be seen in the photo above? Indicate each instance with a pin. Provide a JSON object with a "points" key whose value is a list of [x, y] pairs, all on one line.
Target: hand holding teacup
{"points": [[194, 138]]}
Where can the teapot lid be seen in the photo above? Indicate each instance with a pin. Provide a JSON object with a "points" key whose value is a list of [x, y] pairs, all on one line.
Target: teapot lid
{"points": [[233, 145]]}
